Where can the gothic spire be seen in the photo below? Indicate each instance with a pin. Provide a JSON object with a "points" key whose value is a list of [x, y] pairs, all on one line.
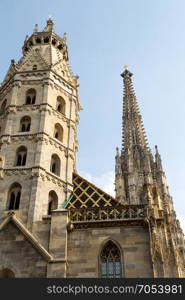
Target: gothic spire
{"points": [[133, 133]]}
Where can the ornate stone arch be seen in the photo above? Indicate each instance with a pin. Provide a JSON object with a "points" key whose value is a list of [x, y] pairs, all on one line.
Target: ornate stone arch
{"points": [[30, 96], [21, 156], [58, 132], [52, 201], [109, 242], [14, 196], [25, 123], [61, 105], [55, 164]]}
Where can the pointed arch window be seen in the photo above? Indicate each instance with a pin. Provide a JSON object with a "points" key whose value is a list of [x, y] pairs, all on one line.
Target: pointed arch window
{"points": [[14, 196], [31, 96], [21, 155], [53, 202], [110, 261], [58, 132], [61, 105], [55, 164], [25, 124]]}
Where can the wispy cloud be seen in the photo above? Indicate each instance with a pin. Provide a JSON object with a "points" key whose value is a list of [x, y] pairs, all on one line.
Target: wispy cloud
{"points": [[104, 181]]}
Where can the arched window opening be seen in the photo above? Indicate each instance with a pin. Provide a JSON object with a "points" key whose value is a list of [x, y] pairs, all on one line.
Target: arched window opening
{"points": [[58, 132], [60, 47], [25, 124], [7, 273], [110, 261], [3, 107], [21, 156], [54, 41], [55, 164], [14, 196], [46, 40], [53, 169], [38, 40], [53, 202], [31, 96], [34, 67], [61, 105]]}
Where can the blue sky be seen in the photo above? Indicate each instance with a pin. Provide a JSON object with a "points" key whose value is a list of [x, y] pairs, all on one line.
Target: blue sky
{"points": [[103, 36]]}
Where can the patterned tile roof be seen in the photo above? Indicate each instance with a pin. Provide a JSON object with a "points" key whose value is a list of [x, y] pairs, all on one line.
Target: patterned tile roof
{"points": [[87, 195]]}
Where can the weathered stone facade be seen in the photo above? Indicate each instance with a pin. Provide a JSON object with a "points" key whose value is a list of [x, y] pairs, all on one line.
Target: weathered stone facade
{"points": [[53, 222]]}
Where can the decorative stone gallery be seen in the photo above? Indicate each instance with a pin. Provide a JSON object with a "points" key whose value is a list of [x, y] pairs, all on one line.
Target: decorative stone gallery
{"points": [[55, 223]]}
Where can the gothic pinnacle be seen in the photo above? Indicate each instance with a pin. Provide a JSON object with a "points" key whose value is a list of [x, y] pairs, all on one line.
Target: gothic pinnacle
{"points": [[35, 28], [50, 25], [133, 133]]}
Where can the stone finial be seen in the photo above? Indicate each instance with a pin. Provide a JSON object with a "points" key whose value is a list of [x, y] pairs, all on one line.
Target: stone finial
{"points": [[35, 28], [65, 37], [50, 25], [26, 38], [156, 149], [126, 72]]}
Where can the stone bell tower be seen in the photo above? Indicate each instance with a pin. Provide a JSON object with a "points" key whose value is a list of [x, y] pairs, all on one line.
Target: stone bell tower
{"points": [[39, 113]]}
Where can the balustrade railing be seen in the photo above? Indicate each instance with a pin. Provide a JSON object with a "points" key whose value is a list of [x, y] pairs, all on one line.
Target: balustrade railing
{"points": [[126, 212]]}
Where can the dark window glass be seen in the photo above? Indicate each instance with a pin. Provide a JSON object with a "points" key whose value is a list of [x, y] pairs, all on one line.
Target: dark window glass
{"points": [[19, 160], [24, 160], [12, 201], [33, 99], [53, 168], [110, 260], [49, 208], [28, 127], [17, 200], [28, 100], [23, 127]]}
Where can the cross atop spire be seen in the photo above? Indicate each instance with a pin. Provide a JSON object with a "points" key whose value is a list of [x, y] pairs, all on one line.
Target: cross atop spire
{"points": [[133, 133]]}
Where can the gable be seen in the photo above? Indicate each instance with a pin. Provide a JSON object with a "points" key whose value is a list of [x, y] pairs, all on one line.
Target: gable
{"points": [[11, 71], [24, 232], [87, 195], [62, 68], [33, 57], [19, 255]]}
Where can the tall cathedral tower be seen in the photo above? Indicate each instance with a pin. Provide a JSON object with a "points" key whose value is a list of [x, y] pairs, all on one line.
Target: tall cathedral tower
{"points": [[39, 117], [54, 222], [140, 179]]}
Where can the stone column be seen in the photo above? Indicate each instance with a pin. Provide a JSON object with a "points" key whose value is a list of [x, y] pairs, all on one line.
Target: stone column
{"points": [[58, 243]]}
